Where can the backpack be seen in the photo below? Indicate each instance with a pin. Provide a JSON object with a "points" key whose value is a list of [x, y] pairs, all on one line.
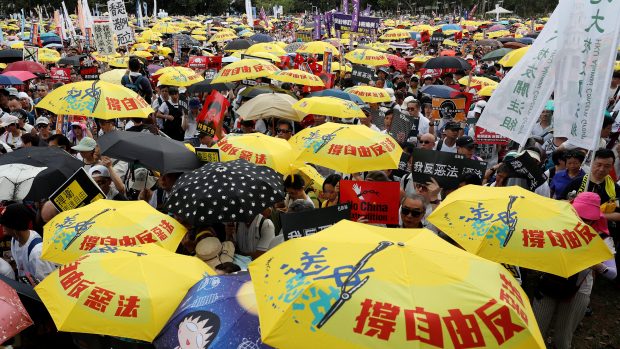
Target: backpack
{"points": [[133, 85]]}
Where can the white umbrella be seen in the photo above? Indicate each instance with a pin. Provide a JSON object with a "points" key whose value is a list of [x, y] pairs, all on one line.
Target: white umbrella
{"points": [[267, 105], [16, 180]]}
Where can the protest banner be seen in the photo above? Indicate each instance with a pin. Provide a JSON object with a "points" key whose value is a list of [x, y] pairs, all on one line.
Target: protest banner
{"points": [[89, 72], [362, 74], [300, 224], [206, 155], [60, 75], [120, 22], [366, 24], [210, 117], [378, 202], [446, 168], [586, 57], [449, 108], [403, 166], [516, 104], [527, 167], [104, 41], [378, 118], [79, 190], [483, 136], [210, 74]]}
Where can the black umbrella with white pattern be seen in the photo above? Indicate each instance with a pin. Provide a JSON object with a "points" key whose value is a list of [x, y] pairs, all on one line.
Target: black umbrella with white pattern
{"points": [[234, 191]]}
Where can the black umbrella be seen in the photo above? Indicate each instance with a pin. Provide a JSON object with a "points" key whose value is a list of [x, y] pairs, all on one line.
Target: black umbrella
{"points": [[261, 38], [10, 56], [155, 152], [206, 86], [234, 191], [71, 60], [503, 40], [237, 44], [447, 62], [185, 41], [254, 91], [34, 173]]}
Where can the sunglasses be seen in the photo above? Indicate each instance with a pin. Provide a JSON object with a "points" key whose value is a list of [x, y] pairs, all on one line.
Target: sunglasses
{"points": [[42, 125], [414, 212], [426, 142], [280, 130]]}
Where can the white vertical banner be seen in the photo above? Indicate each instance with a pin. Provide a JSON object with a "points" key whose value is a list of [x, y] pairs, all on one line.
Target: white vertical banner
{"points": [[248, 13], [586, 63], [88, 16], [155, 8], [521, 96], [120, 22]]}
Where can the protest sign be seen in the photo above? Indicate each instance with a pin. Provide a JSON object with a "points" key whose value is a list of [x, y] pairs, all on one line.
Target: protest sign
{"points": [[366, 24], [89, 72], [449, 108], [206, 155], [210, 74], [527, 167], [120, 22], [104, 41], [300, 224], [378, 118], [483, 136], [362, 74], [79, 190], [401, 127], [204, 62], [210, 117], [60, 75], [378, 202], [403, 166], [31, 53], [445, 167]]}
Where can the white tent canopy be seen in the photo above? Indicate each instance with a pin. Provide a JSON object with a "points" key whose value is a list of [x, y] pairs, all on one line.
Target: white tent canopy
{"points": [[498, 10]]}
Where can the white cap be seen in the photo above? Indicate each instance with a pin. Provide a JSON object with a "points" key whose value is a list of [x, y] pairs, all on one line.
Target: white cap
{"points": [[12, 91], [101, 171], [480, 105], [21, 95], [42, 120], [8, 119]]}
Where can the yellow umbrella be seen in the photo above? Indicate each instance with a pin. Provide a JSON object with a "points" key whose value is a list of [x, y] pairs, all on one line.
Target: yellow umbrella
{"points": [[118, 62], [421, 59], [257, 148], [265, 55], [17, 44], [181, 78], [142, 54], [477, 81], [335, 288], [515, 226], [2, 65], [270, 105], [141, 46], [113, 76], [317, 47], [370, 94], [329, 106], [379, 46], [312, 178], [452, 43], [163, 50], [120, 291], [171, 69], [395, 34], [223, 36], [199, 31], [337, 67], [47, 55], [266, 47], [367, 57], [97, 99], [514, 56], [245, 69], [486, 91], [346, 148], [199, 37], [73, 233], [298, 77]]}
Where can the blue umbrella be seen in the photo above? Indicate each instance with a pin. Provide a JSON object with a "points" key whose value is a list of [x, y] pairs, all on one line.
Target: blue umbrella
{"points": [[451, 27], [261, 38], [217, 312], [415, 36], [527, 41], [10, 80], [440, 91], [332, 92]]}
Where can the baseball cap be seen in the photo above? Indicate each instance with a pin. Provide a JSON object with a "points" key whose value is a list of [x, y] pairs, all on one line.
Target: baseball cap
{"points": [[12, 91], [21, 95], [465, 141], [99, 171], [7, 120], [480, 105], [42, 120], [452, 125], [86, 144]]}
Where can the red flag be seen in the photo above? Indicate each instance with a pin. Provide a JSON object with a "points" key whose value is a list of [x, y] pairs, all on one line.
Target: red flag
{"points": [[458, 36], [425, 36], [210, 118]]}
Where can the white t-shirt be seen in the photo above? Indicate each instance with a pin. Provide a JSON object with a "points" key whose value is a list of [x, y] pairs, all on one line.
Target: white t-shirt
{"points": [[6, 269], [423, 127], [249, 239], [163, 108], [446, 148], [191, 127], [32, 264], [13, 142]]}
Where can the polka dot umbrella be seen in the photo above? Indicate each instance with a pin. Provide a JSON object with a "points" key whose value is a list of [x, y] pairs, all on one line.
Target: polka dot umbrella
{"points": [[234, 191]]}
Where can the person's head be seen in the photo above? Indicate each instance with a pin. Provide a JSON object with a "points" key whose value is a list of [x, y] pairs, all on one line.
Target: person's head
{"points": [[226, 268], [399, 97], [247, 126], [164, 92], [501, 175], [574, 159], [427, 141], [173, 92], [167, 181], [377, 176], [389, 116], [59, 140], [86, 148], [331, 187], [41, 91], [4, 97], [134, 64], [428, 80], [607, 124], [205, 138], [300, 205], [414, 82], [101, 175], [294, 186], [413, 107], [602, 164], [380, 83], [319, 119], [76, 127], [412, 210], [284, 130], [451, 130], [559, 158], [30, 140], [42, 124], [465, 146], [107, 125], [25, 100], [16, 218], [14, 104], [402, 87], [198, 329], [469, 178], [428, 110]]}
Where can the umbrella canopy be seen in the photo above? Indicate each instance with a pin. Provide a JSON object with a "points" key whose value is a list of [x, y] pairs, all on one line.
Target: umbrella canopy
{"points": [[511, 58], [487, 91], [398, 62], [268, 105], [346, 148], [231, 321], [266, 47], [120, 291], [257, 148], [318, 47], [10, 80], [13, 315], [108, 223], [447, 62], [496, 55], [333, 92], [234, 191], [245, 69], [20, 74], [184, 41], [11, 55], [293, 47], [155, 152], [223, 36], [153, 68], [206, 86], [181, 78], [113, 76], [367, 57], [514, 45], [515, 226], [489, 42], [333, 288], [31, 66], [34, 173], [261, 38], [395, 34], [441, 91], [329, 106], [237, 44], [298, 77], [477, 81], [97, 99], [71, 60], [370, 94]]}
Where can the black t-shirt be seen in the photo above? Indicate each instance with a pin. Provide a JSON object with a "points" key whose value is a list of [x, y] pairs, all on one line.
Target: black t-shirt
{"points": [[592, 187]]}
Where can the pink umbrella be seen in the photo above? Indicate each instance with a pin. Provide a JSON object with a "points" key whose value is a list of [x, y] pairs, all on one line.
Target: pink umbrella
{"points": [[20, 74], [13, 316], [30, 66], [152, 68], [496, 28], [398, 62]]}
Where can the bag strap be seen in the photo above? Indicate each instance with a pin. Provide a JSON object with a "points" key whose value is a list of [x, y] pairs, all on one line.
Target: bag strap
{"points": [[439, 145], [260, 226], [32, 244]]}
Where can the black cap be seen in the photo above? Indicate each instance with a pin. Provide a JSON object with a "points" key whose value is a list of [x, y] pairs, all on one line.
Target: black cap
{"points": [[465, 141], [452, 125], [17, 216]]}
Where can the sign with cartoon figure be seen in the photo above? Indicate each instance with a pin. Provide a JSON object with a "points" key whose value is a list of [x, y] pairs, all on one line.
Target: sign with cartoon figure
{"points": [[377, 202]]}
